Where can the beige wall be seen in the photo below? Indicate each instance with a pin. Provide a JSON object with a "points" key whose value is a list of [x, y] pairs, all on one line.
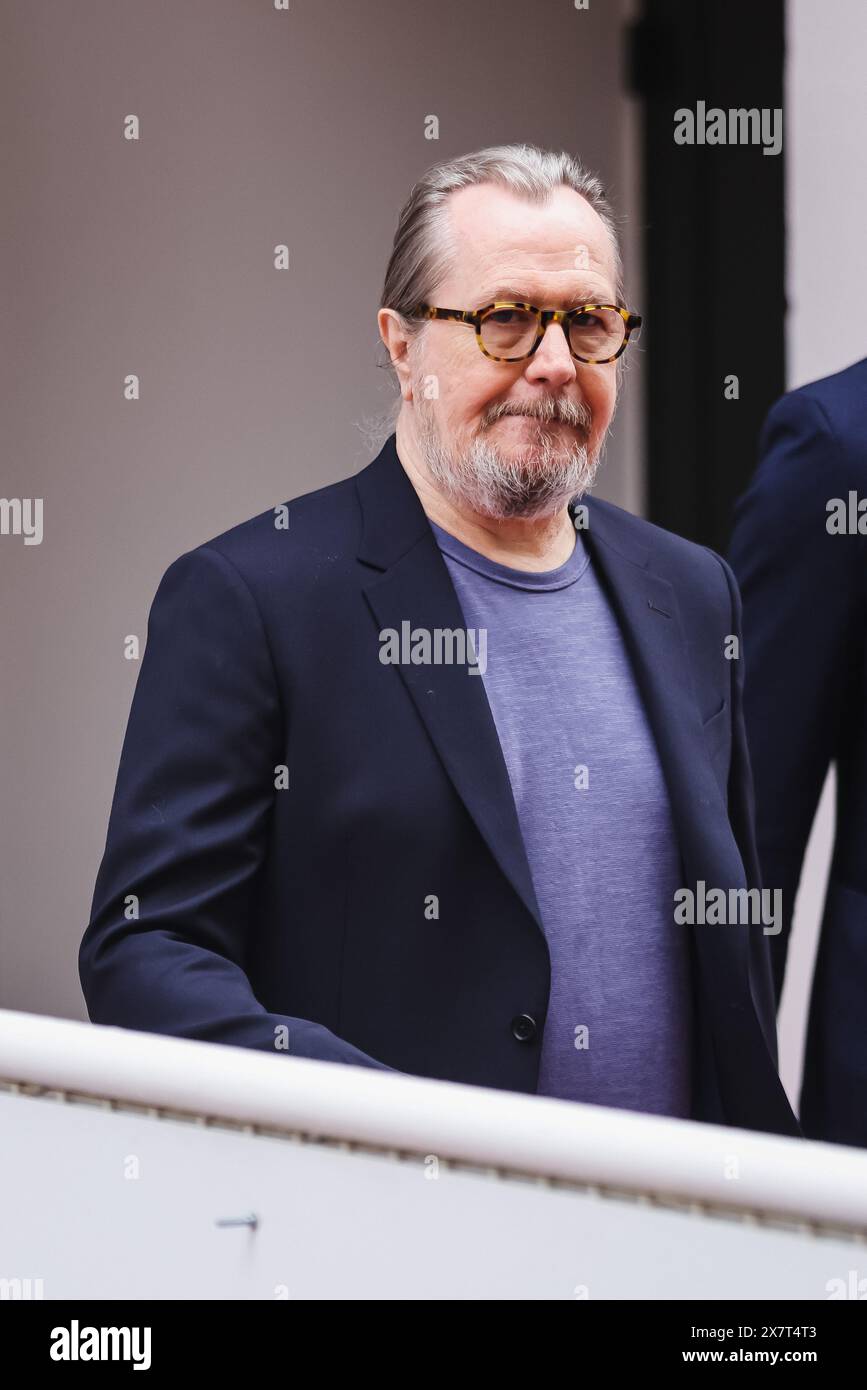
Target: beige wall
{"points": [[155, 257]]}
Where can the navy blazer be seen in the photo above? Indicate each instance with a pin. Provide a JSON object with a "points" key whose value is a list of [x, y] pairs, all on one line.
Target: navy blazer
{"points": [[258, 908], [805, 632]]}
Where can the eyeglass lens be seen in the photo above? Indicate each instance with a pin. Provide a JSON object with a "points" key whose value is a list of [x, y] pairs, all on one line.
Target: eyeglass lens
{"points": [[512, 332]]}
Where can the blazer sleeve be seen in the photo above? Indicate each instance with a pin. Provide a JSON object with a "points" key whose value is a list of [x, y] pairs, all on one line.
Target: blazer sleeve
{"points": [[174, 905], [799, 592]]}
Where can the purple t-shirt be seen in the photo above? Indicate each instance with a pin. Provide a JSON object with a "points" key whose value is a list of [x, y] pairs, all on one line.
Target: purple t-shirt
{"points": [[594, 814]]}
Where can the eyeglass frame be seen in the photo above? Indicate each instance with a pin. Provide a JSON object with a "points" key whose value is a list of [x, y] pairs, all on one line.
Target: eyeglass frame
{"points": [[544, 317]]}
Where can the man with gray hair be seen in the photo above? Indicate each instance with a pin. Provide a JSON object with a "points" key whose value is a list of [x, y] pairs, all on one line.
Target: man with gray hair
{"points": [[342, 846]]}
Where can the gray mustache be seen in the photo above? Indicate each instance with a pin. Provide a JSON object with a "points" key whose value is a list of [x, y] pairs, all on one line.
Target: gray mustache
{"points": [[566, 413]]}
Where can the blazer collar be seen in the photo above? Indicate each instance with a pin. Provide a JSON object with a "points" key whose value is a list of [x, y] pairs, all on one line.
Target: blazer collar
{"points": [[392, 517]]}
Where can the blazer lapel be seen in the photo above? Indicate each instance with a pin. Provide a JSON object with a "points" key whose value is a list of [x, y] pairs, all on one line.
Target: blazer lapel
{"points": [[413, 585], [647, 609]]}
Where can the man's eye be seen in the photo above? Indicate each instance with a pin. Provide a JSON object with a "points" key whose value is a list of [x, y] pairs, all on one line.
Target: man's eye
{"points": [[586, 320]]}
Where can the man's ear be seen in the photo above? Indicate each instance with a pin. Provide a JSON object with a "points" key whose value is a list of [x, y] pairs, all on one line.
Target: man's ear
{"points": [[396, 342]]}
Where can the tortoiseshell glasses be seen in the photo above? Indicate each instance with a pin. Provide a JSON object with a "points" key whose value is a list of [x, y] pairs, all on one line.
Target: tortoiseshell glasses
{"points": [[511, 332]]}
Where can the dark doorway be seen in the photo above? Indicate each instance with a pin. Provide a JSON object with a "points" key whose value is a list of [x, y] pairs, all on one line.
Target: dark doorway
{"points": [[714, 256]]}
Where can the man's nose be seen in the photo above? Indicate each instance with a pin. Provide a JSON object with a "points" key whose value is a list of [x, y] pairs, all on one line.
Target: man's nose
{"points": [[552, 361]]}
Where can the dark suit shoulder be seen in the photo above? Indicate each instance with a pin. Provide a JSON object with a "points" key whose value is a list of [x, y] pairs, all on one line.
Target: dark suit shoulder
{"points": [[643, 541], [296, 540], [813, 447], [700, 579], [835, 405], [843, 392]]}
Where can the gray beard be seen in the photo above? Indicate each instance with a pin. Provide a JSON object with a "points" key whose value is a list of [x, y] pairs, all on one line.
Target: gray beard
{"points": [[536, 481]]}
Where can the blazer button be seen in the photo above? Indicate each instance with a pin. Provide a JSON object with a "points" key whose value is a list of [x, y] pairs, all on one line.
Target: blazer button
{"points": [[523, 1027]]}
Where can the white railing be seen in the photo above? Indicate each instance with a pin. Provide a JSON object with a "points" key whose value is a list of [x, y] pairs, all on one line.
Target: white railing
{"points": [[746, 1172]]}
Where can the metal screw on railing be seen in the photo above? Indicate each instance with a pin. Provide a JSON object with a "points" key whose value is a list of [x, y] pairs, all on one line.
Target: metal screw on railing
{"points": [[252, 1221]]}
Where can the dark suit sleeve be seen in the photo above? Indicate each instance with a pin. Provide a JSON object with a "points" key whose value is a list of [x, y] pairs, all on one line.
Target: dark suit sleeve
{"points": [[799, 589], [188, 827]]}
